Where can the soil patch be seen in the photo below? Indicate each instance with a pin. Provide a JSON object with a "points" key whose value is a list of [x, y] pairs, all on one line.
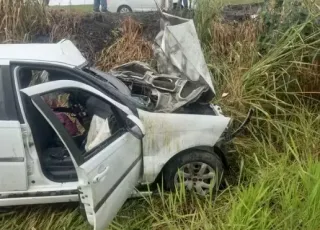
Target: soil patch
{"points": [[240, 12], [93, 32]]}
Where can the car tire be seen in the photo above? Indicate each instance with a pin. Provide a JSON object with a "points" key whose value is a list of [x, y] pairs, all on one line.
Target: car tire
{"points": [[124, 9], [189, 165]]}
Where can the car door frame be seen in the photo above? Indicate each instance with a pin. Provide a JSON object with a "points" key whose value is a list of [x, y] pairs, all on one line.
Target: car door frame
{"points": [[16, 110], [35, 93], [78, 74], [15, 159], [62, 84]]}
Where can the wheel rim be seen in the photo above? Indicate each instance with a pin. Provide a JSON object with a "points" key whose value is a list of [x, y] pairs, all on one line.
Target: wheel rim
{"points": [[124, 10], [196, 176]]}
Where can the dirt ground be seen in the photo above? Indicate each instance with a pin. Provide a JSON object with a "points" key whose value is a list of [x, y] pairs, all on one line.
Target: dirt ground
{"points": [[240, 12], [93, 32]]}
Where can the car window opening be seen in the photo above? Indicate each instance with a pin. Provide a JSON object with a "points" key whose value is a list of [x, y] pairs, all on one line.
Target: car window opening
{"points": [[89, 120]]}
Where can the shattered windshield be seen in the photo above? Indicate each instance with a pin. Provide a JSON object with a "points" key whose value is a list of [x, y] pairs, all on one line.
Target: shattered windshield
{"points": [[119, 87]]}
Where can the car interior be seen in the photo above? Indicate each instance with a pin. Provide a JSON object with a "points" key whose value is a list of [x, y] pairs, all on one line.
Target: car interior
{"points": [[82, 107]]}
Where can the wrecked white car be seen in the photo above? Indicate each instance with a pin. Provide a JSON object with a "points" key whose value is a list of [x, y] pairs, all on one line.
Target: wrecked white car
{"points": [[72, 133]]}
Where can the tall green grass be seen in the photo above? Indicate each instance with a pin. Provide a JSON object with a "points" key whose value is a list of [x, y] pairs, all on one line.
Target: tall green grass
{"points": [[275, 177]]}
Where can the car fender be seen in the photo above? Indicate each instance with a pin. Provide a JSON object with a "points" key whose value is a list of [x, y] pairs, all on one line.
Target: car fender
{"points": [[153, 174], [170, 134]]}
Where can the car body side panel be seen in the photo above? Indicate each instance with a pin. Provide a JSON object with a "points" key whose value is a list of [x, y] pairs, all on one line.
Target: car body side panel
{"points": [[13, 164], [150, 5], [136, 5], [113, 5], [170, 134], [31, 200]]}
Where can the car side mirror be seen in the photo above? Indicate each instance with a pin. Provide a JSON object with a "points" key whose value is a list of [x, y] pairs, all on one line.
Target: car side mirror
{"points": [[135, 126]]}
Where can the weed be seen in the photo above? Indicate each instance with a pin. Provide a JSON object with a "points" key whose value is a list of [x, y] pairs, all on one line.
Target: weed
{"points": [[130, 46], [21, 19], [277, 183]]}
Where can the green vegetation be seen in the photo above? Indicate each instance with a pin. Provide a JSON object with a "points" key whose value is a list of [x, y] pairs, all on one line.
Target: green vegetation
{"points": [[274, 181], [79, 8], [234, 2], [88, 8]]}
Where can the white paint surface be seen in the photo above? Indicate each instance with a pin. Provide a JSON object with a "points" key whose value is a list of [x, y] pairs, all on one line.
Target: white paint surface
{"points": [[168, 134], [64, 52], [13, 176]]}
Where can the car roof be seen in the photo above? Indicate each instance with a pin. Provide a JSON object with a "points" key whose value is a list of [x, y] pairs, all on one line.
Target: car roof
{"points": [[63, 53]]}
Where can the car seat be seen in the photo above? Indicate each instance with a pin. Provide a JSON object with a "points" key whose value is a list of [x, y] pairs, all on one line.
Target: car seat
{"points": [[54, 159]]}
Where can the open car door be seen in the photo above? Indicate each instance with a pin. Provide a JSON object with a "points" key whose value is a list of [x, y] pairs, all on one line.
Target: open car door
{"points": [[108, 176]]}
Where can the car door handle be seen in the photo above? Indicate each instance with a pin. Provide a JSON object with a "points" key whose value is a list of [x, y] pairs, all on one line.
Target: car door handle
{"points": [[101, 175]]}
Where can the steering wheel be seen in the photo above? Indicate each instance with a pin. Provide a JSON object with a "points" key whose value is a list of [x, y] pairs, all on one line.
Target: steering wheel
{"points": [[75, 110]]}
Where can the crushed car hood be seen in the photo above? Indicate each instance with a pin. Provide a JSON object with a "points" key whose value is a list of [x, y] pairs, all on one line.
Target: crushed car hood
{"points": [[181, 75], [177, 48]]}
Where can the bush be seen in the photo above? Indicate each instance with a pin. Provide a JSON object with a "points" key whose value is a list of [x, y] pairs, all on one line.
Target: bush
{"points": [[272, 67]]}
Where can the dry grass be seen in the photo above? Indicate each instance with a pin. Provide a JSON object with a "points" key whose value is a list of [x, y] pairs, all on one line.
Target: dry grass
{"points": [[130, 46], [20, 19], [309, 77], [230, 41], [226, 36], [233, 45], [278, 181], [64, 23], [251, 78]]}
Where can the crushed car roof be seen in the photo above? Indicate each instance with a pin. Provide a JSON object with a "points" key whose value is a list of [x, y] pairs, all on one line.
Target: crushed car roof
{"points": [[63, 52]]}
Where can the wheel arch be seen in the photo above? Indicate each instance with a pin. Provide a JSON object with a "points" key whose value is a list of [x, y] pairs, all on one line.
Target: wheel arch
{"points": [[124, 5], [217, 149]]}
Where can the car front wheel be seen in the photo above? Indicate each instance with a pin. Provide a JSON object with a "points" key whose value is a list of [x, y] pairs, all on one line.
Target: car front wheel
{"points": [[124, 9], [197, 171]]}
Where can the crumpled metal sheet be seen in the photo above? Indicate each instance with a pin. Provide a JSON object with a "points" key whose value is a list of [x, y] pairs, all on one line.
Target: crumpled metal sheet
{"points": [[177, 48], [182, 76], [168, 91]]}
